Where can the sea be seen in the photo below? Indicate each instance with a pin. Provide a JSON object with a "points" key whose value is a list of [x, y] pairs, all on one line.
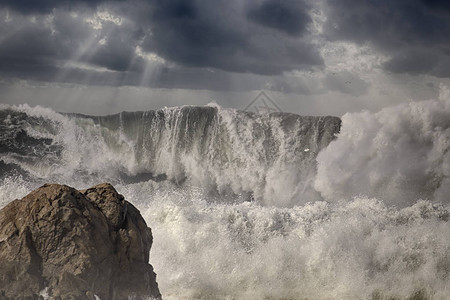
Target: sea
{"points": [[261, 206]]}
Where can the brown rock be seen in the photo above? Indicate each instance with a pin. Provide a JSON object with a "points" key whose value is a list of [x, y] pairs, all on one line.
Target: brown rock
{"points": [[78, 244]]}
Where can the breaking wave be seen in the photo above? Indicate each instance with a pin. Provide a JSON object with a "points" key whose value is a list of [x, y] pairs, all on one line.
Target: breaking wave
{"points": [[275, 206], [268, 158]]}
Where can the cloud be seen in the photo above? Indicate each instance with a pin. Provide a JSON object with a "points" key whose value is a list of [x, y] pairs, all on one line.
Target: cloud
{"points": [[440, 6], [222, 44], [62, 40], [230, 36], [289, 16], [45, 6], [413, 33], [43, 47], [346, 82], [413, 61], [26, 49]]}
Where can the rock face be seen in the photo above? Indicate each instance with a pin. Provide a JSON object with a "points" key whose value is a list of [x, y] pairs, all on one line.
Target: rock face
{"points": [[77, 244]]}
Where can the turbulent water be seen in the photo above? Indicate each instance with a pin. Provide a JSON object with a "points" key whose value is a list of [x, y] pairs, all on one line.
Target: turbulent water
{"points": [[275, 206]]}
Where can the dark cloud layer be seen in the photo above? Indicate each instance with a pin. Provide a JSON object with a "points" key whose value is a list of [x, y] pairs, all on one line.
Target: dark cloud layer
{"points": [[46, 6], [288, 16], [440, 6], [413, 33], [201, 44], [221, 34], [47, 44]]}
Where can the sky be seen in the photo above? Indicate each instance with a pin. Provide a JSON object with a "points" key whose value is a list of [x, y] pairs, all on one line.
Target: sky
{"points": [[311, 57]]}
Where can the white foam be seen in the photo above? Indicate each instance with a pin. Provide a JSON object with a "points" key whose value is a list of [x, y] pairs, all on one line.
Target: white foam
{"points": [[351, 250], [400, 154], [12, 188], [285, 244], [223, 150]]}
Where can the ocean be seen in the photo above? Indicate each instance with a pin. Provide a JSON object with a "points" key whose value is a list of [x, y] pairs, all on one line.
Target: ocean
{"points": [[271, 206]]}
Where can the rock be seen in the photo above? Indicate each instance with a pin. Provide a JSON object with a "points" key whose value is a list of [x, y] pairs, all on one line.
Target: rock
{"points": [[75, 245]]}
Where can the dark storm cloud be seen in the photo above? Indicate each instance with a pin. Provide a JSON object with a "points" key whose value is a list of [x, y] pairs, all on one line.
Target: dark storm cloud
{"points": [[66, 49], [413, 61], [442, 6], [183, 31], [43, 46], [118, 51], [229, 36], [413, 33], [423, 61], [42, 39], [29, 51], [288, 16], [44, 6], [203, 43]]}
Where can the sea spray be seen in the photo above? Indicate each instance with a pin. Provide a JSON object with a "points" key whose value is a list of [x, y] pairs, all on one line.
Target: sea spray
{"points": [[356, 249], [400, 154], [237, 208], [226, 152]]}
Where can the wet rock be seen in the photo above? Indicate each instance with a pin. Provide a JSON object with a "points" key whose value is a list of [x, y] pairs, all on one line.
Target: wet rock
{"points": [[76, 245]]}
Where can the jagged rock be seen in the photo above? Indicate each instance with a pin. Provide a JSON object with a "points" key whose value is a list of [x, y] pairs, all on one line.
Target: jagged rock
{"points": [[77, 244]]}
